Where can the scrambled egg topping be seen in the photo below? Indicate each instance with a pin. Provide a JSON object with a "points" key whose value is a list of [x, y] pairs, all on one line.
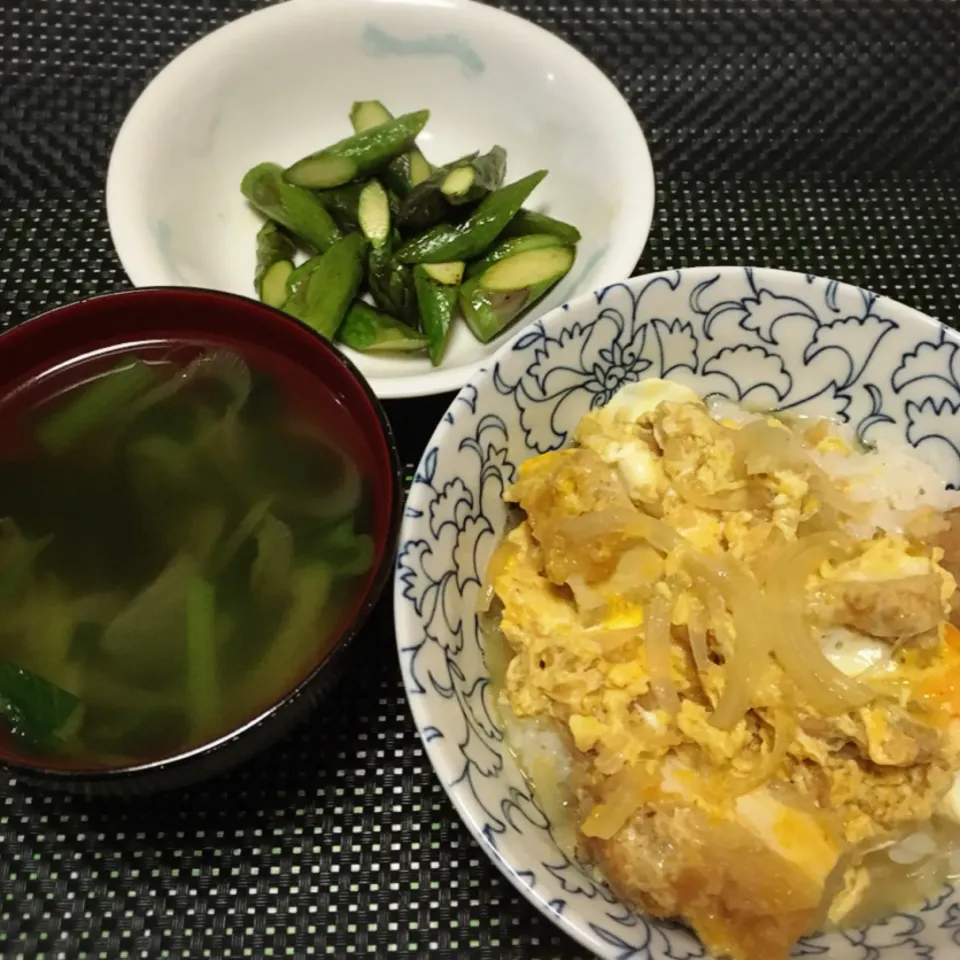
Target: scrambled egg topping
{"points": [[643, 574]]}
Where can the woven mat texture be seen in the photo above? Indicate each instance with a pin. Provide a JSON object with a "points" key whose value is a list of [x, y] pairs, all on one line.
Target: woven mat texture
{"points": [[817, 136]]}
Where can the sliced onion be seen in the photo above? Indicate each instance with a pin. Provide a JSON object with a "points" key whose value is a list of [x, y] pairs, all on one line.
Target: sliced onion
{"points": [[225, 367], [333, 504], [151, 624], [623, 795], [621, 521], [227, 549], [272, 571], [794, 645], [613, 642], [697, 638], [98, 607], [753, 624], [590, 526], [495, 567], [583, 547], [767, 449], [744, 498], [657, 533], [762, 448], [768, 613], [219, 365], [659, 649], [590, 600], [805, 553], [784, 731], [17, 552], [588, 548]]}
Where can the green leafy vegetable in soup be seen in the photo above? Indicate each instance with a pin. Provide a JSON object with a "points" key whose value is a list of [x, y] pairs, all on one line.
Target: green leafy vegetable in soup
{"points": [[181, 536]]}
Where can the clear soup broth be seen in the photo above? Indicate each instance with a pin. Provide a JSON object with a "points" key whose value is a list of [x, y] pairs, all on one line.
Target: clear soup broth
{"points": [[183, 533]]}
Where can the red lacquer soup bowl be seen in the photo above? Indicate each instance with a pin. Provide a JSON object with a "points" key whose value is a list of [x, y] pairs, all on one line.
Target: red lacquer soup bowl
{"points": [[314, 385]]}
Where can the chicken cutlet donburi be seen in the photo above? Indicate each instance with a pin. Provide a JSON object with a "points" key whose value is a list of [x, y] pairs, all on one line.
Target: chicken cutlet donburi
{"points": [[727, 637]]}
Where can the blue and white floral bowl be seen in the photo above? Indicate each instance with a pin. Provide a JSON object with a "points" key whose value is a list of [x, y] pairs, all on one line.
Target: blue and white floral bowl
{"points": [[764, 337]]}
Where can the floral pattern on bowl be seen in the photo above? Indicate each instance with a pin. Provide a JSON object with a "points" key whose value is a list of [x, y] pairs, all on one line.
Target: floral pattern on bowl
{"points": [[766, 338]]}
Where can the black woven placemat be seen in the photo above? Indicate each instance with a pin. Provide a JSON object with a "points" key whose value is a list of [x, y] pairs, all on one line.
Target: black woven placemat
{"points": [[815, 136]]}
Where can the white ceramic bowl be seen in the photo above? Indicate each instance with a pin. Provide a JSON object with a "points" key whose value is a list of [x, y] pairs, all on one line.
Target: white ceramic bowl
{"points": [[278, 83], [774, 339]]}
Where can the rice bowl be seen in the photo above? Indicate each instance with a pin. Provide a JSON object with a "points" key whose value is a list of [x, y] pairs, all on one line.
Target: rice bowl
{"points": [[766, 341]]}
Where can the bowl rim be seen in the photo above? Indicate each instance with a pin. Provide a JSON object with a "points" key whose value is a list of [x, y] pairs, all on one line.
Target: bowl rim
{"points": [[469, 394], [144, 267], [175, 762]]}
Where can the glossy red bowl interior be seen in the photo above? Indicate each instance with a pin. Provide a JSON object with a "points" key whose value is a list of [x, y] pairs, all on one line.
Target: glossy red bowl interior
{"points": [[139, 317]]}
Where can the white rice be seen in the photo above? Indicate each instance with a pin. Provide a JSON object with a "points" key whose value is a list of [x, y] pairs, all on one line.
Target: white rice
{"points": [[914, 848], [893, 478], [544, 758]]}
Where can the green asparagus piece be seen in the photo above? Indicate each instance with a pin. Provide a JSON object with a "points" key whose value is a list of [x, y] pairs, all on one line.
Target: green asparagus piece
{"points": [[437, 303], [374, 213], [492, 301], [510, 248], [273, 244], [322, 299], [292, 207], [427, 205], [424, 207], [391, 284], [273, 283], [299, 274], [403, 172], [108, 396], [488, 314], [472, 180], [367, 114], [359, 155], [343, 203], [275, 250], [420, 168], [529, 221], [470, 239], [450, 273], [528, 269], [370, 331]]}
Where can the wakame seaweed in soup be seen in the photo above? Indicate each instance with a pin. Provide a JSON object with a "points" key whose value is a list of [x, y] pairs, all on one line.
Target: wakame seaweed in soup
{"points": [[182, 532]]}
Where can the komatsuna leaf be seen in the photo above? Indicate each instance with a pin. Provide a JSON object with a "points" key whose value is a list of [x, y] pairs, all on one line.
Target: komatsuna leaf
{"points": [[35, 709]]}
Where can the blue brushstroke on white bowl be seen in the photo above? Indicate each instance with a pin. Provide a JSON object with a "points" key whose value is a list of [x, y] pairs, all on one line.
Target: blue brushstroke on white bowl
{"points": [[163, 238], [378, 43], [766, 337]]}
